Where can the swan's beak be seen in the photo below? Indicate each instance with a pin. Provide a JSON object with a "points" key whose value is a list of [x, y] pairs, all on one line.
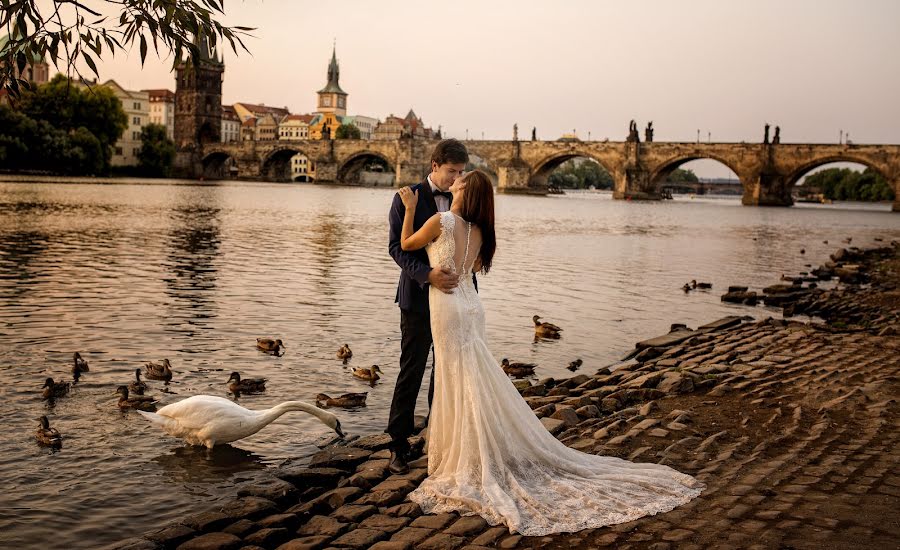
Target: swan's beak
{"points": [[338, 430]]}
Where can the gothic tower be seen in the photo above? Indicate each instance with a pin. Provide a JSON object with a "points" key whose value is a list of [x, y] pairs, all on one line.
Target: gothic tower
{"points": [[332, 99], [198, 108]]}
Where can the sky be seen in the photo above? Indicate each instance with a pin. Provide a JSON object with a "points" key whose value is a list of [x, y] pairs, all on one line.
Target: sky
{"points": [[722, 67]]}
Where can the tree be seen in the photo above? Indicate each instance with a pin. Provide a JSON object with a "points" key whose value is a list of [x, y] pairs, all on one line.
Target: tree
{"points": [[347, 131], [68, 108], [157, 151], [844, 184], [680, 175], [580, 175], [69, 33]]}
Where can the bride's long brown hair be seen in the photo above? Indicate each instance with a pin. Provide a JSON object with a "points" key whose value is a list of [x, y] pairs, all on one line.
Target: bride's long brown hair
{"points": [[478, 208]]}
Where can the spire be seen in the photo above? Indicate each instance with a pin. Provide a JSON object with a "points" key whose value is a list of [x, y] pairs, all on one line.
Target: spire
{"points": [[334, 75]]}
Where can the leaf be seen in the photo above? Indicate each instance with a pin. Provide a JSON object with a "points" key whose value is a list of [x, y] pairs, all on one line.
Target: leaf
{"points": [[143, 49], [90, 62]]}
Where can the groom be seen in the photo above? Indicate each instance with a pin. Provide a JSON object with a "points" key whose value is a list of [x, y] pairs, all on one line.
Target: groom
{"points": [[448, 160]]}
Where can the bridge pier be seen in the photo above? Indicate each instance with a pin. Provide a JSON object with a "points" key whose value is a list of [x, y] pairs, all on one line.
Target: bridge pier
{"points": [[410, 173], [635, 183], [515, 177], [767, 189]]}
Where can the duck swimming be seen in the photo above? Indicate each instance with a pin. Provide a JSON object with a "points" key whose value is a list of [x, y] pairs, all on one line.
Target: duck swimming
{"points": [[46, 435], [347, 400], [138, 387], [344, 353], [209, 420], [545, 330], [517, 370], [269, 345], [55, 389], [159, 371], [137, 402], [247, 385], [79, 365], [369, 374]]}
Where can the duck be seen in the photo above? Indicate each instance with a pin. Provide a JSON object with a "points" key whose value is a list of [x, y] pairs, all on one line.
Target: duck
{"points": [[367, 373], [269, 345], [575, 365], [138, 387], [159, 371], [210, 420], [55, 389], [79, 365], [517, 370], [345, 353], [47, 436], [138, 402], [695, 284], [247, 385], [687, 288], [347, 400], [545, 330]]}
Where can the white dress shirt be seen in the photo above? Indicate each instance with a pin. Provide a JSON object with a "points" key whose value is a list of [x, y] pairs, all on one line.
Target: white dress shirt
{"points": [[443, 203]]}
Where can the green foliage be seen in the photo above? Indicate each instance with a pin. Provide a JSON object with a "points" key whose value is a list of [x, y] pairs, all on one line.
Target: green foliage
{"points": [[347, 131], [68, 33], [844, 184], [679, 175], [69, 107], [580, 175], [61, 128], [157, 151]]}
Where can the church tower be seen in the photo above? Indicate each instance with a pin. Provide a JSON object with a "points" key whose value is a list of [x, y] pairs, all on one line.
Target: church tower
{"points": [[332, 99], [198, 100]]}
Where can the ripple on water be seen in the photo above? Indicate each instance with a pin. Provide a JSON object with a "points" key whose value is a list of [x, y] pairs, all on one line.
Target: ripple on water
{"points": [[131, 272]]}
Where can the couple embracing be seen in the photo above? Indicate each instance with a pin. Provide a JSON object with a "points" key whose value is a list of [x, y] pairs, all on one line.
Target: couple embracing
{"points": [[488, 454]]}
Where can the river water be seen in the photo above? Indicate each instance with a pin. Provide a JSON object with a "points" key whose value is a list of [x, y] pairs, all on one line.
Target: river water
{"points": [[128, 271]]}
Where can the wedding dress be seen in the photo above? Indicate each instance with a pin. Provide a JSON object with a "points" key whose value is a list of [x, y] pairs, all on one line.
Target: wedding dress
{"points": [[488, 454]]}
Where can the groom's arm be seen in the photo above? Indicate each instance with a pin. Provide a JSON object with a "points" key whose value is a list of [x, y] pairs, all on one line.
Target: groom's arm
{"points": [[408, 262]]}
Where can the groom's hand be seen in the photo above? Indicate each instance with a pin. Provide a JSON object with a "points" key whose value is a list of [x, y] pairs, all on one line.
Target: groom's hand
{"points": [[443, 279]]}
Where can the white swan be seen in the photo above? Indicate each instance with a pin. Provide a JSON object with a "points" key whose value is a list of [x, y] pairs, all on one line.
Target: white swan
{"points": [[209, 420]]}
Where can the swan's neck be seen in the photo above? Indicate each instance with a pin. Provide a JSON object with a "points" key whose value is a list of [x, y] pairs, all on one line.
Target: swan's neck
{"points": [[268, 416]]}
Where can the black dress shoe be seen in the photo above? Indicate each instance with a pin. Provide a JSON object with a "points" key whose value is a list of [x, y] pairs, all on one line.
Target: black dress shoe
{"points": [[398, 463]]}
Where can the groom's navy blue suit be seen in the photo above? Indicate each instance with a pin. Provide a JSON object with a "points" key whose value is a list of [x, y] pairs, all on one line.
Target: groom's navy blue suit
{"points": [[415, 317]]}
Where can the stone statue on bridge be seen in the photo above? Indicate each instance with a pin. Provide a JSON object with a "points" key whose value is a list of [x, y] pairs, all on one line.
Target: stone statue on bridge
{"points": [[776, 139], [633, 135], [766, 134], [534, 133], [515, 132], [648, 133]]}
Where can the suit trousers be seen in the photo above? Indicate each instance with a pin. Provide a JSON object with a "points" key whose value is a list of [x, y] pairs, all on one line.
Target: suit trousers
{"points": [[415, 345]]}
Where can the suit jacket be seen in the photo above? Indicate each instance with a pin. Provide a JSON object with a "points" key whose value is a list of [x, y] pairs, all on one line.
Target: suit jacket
{"points": [[412, 290]]}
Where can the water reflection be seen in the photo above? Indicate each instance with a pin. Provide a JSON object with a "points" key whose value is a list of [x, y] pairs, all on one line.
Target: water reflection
{"points": [[194, 464], [193, 243]]}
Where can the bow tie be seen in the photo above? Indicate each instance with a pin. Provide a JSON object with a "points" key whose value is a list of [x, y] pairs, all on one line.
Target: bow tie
{"points": [[446, 194]]}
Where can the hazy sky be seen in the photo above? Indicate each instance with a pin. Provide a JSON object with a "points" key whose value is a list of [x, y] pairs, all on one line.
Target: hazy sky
{"points": [[725, 67]]}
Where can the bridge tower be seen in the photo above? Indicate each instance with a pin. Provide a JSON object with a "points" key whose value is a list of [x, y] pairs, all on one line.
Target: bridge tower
{"points": [[198, 108]]}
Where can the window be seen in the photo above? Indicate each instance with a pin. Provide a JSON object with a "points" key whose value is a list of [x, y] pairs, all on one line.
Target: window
{"points": [[137, 105], [135, 152], [136, 120], [341, 102], [326, 101], [119, 151], [135, 135]]}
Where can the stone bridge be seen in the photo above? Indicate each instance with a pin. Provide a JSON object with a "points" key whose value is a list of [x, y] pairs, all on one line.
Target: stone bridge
{"points": [[767, 172]]}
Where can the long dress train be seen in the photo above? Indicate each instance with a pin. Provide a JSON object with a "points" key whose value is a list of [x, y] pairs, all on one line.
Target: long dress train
{"points": [[488, 454]]}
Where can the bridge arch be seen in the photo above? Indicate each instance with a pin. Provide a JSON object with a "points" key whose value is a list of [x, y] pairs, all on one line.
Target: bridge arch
{"points": [[219, 165], [540, 173], [352, 169], [665, 168], [276, 166], [804, 169]]}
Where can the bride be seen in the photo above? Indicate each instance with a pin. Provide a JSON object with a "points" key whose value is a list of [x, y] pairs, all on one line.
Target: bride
{"points": [[488, 454]]}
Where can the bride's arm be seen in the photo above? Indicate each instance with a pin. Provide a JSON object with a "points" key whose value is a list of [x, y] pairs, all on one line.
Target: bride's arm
{"points": [[427, 233]]}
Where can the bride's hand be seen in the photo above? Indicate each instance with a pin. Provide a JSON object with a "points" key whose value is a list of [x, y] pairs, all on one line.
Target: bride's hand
{"points": [[410, 199]]}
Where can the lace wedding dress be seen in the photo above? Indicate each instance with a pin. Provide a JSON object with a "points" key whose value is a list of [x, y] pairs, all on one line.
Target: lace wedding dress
{"points": [[488, 454]]}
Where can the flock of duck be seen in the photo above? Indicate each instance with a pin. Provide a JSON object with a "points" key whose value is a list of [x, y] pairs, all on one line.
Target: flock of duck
{"points": [[209, 420]]}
